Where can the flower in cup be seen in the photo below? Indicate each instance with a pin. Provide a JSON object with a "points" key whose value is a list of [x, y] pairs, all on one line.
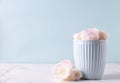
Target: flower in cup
{"points": [[77, 36], [91, 34], [103, 35]]}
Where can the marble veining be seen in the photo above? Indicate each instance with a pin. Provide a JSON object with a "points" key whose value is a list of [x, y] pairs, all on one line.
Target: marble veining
{"points": [[40, 73]]}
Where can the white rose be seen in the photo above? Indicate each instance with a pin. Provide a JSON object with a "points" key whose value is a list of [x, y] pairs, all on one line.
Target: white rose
{"points": [[90, 34], [75, 75], [103, 35], [63, 69], [77, 36], [66, 71]]}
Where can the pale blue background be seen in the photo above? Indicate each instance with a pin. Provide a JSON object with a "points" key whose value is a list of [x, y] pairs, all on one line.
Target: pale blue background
{"points": [[40, 31]]}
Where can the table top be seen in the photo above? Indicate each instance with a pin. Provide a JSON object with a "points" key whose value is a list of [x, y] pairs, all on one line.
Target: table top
{"points": [[41, 73]]}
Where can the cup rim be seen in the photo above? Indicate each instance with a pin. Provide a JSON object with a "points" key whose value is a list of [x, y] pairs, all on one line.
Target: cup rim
{"points": [[88, 40]]}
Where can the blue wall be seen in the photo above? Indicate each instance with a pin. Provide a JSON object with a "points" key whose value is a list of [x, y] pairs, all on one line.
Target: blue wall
{"points": [[40, 31]]}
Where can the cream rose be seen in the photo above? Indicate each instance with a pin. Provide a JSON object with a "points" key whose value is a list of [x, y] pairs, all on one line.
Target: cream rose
{"points": [[91, 34], [63, 69], [76, 74], [66, 71]]}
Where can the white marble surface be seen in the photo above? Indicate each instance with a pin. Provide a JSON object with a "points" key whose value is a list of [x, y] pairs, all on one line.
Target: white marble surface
{"points": [[40, 73]]}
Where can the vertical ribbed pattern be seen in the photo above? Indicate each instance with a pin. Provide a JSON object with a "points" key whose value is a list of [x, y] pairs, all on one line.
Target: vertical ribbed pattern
{"points": [[89, 57]]}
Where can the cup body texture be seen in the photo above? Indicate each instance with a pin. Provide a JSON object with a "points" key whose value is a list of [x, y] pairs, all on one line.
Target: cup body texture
{"points": [[90, 57]]}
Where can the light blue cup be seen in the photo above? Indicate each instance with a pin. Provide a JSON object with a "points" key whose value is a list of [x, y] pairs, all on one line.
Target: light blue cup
{"points": [[89, 57]]}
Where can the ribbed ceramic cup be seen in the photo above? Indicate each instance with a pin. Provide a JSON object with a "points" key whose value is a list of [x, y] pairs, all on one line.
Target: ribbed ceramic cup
{"points": [[89, 57]]}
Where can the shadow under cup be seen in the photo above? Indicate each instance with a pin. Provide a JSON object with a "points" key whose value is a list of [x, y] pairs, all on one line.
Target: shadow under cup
{"points": [[89, 57]]}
